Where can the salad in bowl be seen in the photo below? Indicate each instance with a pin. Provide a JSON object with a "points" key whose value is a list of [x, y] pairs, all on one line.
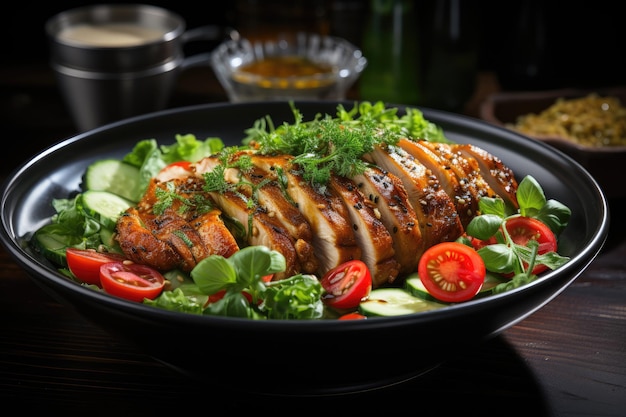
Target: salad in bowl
{"points": [[360, 214]]}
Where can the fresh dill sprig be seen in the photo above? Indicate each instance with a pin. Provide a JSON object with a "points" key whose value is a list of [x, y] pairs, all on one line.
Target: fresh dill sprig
{"points": [[328, 145], [165, 198], [214, 180], [332, 147]]}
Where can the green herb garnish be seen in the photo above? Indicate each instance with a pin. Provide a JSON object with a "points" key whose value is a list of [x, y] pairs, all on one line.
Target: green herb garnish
{"points": [[336, 144]]}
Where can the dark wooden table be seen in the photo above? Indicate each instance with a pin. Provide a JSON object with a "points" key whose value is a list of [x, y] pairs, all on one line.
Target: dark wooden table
{"points": [[567, 359]]}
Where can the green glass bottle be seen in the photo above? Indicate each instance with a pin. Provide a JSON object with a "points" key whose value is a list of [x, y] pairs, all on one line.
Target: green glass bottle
{"points": [[390, 44], [451, 59]]}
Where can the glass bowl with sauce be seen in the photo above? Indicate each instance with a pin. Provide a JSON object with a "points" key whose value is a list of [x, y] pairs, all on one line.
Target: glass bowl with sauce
{"points": [[298, 66]]}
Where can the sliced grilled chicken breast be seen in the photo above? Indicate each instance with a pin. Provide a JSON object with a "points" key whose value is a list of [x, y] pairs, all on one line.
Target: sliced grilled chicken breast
{"points": [[263, 186], [333, 237], [413, 195]]}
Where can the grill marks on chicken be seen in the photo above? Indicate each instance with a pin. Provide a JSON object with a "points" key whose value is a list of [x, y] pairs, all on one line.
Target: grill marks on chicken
{"points": [[375, 241], [391, 203], [266, 216], [499, 177], [177, 238], [436, 213], [412, 196], [458, 189]]}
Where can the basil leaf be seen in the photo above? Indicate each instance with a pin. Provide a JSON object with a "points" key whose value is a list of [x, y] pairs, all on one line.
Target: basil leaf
{"points": [[556, 215], [492, 205], [498, 258], [213, 274], [530, 196], [552, 260], [515, 282], [233, 304], [253, 262], [485, 226]]}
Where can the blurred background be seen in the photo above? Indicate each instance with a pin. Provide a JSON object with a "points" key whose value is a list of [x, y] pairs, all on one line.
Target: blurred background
{"points": [[444, 54]]}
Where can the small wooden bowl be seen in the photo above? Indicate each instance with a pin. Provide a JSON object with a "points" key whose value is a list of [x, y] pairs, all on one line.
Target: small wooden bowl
{"points": [[605, 163]]}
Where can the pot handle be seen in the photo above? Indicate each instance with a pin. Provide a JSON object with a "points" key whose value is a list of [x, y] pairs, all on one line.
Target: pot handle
{"points": [[205, 33]]}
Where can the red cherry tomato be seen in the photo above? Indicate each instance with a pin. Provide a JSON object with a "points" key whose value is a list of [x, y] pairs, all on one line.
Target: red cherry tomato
{"points": [[174, 170], [477, 243], [452, 272], [347, 285], [131, 281], [85, 263], [216, 297], [220, 294], [352, 316], [523, 229]]}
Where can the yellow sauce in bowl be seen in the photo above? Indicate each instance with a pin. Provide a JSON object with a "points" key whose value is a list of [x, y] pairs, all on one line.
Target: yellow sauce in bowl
{"points": [[285, 71]]}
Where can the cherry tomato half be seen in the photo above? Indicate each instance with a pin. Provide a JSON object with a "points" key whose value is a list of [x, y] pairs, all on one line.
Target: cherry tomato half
{"points": [[352, 316], [85, 263], [220, 294], [452, 272], [174, 170], [182, 164], [523, 229], [131, 281], [347, 285]]}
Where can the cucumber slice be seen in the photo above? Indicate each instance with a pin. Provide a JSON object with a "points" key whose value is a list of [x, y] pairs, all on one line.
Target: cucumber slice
{"points": [[51, 241], [491, 280], [104, 206], [107, 236], [116, 177], [394, 302], [415, 287]]}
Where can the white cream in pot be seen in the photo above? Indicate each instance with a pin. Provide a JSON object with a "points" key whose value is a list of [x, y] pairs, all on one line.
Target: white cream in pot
{"points": [[110, 34]]}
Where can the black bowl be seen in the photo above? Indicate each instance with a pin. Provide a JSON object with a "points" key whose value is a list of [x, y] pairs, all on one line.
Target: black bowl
{"points": [[318, 357]]}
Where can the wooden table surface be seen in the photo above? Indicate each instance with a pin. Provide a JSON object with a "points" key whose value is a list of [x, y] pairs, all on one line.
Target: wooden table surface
{"points": [[567, 359]]}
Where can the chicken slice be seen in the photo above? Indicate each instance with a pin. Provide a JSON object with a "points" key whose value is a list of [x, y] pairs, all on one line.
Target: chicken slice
{"points": [[179, 237], [260, 228], [372, 236], [466, 168], [499, 177], [389, 197], [438, 219], [458, 188], [135, 237]]}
